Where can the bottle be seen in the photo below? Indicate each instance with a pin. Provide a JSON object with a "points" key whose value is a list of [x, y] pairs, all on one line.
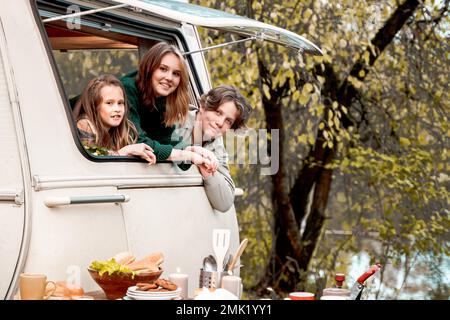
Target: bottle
{"points": [[337, 292]]}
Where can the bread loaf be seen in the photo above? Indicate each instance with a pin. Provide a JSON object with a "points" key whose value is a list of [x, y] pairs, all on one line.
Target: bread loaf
{"points": [[149, 263], [124, 258]]}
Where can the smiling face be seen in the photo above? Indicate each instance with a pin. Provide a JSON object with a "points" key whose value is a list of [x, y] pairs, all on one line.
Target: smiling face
{"points": [[216, 122], [166, 77], [112, 107]]}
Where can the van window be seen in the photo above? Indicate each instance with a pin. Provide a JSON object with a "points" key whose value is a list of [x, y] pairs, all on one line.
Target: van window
{"points": [[100, 43]]}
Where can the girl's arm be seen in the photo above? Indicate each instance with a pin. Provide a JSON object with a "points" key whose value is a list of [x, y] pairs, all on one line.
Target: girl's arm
{"points": [[138, 149]]}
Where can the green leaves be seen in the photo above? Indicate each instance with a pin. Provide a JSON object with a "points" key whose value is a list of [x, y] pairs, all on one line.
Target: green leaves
{"points": [[110, 267]]}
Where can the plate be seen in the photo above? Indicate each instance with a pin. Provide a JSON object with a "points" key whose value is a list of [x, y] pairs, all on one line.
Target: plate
{"points": [[132, 291], [135, 294]]}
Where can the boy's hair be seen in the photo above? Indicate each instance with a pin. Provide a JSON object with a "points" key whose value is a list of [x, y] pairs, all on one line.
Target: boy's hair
{"points": [[114, 138], [224, 93], [177, 103]]}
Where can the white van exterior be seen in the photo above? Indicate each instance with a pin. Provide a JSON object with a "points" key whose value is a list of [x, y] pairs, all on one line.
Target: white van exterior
{"points": [[59, 209]]}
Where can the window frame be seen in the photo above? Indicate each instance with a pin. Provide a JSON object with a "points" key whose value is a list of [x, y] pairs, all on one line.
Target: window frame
{"points": [[129, 27]]}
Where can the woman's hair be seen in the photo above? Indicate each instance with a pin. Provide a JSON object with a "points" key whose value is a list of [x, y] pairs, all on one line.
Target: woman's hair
{"points": [[87, 107], [224, 93], [177, 103]]}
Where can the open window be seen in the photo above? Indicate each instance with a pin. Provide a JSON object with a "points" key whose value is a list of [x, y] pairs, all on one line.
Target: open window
{"points": [[102, 43]]}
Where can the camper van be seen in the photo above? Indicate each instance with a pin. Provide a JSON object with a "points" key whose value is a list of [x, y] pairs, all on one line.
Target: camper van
{"points": [[61, 207]]}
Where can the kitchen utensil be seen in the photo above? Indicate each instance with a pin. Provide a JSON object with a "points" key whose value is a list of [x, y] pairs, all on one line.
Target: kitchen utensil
{"points": [[212, 262], [210, 279], [227, 262], [221, 243], [238, 254], [209, 264], [358, 286]]}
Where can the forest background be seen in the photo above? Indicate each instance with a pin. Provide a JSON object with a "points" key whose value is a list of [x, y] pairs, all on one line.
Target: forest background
{"points": [[364, 146]]}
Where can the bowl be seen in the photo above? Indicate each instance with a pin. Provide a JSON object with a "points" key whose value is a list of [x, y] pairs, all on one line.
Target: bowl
{"points": [[115, 285]]}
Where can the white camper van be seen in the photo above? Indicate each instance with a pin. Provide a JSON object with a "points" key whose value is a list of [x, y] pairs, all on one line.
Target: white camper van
{"points": [[60, 207]]}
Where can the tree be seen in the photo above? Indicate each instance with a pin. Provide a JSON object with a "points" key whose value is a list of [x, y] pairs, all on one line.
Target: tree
{"points": [[360, 111]]}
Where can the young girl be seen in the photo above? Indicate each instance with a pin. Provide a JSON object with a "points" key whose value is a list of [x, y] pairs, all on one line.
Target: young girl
{"points": [[158, 97], [102, 119]]}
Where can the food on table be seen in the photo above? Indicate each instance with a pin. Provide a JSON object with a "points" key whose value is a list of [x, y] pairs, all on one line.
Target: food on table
{"points": [[124, 258], [160, 285], [111, 266], [67, 290], [125, 263], [150, 263]]}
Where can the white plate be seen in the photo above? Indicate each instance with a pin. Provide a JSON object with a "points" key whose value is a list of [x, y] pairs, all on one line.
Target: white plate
{"points": [[133, 291], [127, 297], [152, 296]]}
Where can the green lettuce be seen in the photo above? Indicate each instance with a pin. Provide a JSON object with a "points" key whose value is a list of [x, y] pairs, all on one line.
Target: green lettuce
{"points": [[111, 267]]}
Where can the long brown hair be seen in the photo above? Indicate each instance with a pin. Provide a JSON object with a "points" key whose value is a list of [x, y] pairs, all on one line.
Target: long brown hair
{"points": [[113, 138], [177, 103]]}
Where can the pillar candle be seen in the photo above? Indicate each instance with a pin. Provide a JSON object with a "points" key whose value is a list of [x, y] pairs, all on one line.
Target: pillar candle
{"points": [[181, 280], [232, 284]]}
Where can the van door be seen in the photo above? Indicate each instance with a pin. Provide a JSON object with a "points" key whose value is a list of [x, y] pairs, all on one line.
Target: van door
{"points": [[12, 207], [215, 19]]}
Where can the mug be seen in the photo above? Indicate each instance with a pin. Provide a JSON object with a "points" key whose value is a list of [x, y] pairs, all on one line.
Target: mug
{"points": [[301, 296], [233, 284], [33, 286]]}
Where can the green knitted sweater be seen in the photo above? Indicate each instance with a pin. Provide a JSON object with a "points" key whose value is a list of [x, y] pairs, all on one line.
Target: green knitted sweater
{"points": [[150, 122]]}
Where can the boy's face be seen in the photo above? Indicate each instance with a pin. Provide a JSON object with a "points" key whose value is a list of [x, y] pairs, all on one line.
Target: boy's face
{"points": [[216, 122]]}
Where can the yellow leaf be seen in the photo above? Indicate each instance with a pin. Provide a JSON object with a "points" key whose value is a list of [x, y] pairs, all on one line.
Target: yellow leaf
{"points": [[307, 14], [366, 57], [303, 99], [321, 126], [266, 90], [362, 73], [307, 88], [336, 122], [423, 138], [404, 141]]}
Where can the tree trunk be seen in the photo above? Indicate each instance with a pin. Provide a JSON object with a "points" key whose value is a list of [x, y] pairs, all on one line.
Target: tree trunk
{"points": [[290, 208]]}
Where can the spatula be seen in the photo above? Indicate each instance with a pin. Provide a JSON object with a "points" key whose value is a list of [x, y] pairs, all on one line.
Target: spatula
{"points": [[221, 243]]}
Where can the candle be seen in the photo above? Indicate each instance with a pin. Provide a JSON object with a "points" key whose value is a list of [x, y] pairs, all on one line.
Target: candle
{"points": [[181, 280], [232, 284]]}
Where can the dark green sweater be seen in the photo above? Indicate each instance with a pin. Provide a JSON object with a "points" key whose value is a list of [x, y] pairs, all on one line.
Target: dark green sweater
{"points": [[149, 122]]}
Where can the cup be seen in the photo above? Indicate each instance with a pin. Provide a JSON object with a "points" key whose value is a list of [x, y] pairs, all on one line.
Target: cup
{"points": [[232, 284], [181, 280], [34, 286], [301, 295]]}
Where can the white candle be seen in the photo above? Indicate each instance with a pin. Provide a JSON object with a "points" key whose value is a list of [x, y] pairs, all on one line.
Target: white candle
{"points": [[232, 284], [181, 280]]}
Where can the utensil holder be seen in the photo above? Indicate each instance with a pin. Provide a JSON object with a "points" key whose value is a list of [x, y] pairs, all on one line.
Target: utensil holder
{"points": [[211, 279]]}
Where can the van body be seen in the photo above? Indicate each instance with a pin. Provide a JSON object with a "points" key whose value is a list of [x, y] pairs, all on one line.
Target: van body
{"points": [[60, 207]]}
